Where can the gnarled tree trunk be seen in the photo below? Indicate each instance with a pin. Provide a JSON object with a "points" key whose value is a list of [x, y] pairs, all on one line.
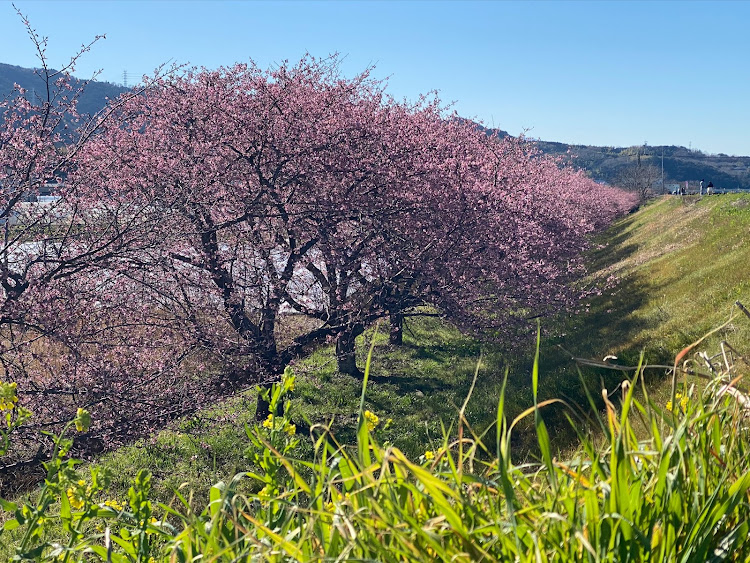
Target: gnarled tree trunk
{"points": [[396, 335], [346, 358]]}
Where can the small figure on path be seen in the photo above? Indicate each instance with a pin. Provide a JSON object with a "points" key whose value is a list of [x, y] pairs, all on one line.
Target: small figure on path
{"points": [[701, 188], [710, 188]]}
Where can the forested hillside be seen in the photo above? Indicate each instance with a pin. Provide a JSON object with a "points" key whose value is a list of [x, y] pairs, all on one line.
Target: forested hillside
{"points": [[93, 98], [680, 163]]}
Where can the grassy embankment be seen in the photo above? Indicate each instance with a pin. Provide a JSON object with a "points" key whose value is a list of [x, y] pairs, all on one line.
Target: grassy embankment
{"points": [[680, 263]]}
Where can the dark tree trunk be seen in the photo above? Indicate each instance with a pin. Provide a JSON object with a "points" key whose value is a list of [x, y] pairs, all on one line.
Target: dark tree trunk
{"points": [[346, 357], [396, 336], [272, 366], [267, 333]]}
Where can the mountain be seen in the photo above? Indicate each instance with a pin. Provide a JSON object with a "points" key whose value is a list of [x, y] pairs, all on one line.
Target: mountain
{"points": [[607, 164], [91, 101]]}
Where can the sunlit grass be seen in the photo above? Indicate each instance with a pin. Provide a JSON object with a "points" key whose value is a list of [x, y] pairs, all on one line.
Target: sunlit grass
{"points": [[677, 492]]}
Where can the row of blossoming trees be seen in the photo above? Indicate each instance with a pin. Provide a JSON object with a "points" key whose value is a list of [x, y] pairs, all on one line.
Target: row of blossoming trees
{"points": [[201, 210]]}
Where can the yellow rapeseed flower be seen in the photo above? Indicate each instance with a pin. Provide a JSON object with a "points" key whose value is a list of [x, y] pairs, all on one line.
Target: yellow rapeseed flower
{"points": [[82, 420], [76, 497], [268, 422], [288, 379], [117, 505], [8, 398], [429, 455], [681, 399], [372, 420]]}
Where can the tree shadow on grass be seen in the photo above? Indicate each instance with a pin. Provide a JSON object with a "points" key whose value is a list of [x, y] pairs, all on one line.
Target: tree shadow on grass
{"points": [[608, 324]]}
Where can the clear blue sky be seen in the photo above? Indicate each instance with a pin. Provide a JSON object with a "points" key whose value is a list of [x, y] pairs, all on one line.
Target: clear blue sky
{"points": [[603, 73]]}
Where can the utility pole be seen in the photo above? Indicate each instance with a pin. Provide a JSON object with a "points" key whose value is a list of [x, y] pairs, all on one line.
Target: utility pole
{"points": [[663, 189]]}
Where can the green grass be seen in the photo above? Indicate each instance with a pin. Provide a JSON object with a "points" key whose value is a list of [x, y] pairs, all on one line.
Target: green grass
{"points": [[678, 264], [679, 493], [682, 263]]}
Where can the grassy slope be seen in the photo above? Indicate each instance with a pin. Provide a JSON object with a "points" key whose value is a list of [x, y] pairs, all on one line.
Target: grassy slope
{"points": [[680, 265], [682, 262]]}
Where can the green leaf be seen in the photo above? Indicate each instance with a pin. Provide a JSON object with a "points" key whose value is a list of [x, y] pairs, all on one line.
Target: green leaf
{"points": [[363, 434], [64, 507], [215, 497], [11, 525]]}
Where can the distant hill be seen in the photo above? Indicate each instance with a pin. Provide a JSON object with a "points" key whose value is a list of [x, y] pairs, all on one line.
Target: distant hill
{"points": [[92, 100], [606, 164], [680, 163]]}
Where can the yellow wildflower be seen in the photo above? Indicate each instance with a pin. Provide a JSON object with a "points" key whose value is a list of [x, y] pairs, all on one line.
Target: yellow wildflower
{"points": [[117, 505], [265, 493], [429, 455], [372, 420], [8, 398], [681, 399], [82, 420], [288, 379], [76, 497], [268, 422], [278, 423]]}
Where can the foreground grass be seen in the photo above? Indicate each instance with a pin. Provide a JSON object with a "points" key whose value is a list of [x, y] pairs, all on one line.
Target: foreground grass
{"points": [[679, 494]]}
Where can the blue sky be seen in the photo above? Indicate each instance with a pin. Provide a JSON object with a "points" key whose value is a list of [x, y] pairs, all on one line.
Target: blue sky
{"points": [[603, 73]]}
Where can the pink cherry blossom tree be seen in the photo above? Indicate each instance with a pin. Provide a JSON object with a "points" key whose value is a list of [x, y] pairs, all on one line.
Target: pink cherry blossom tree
{"points": [[299, 190], [270, 190], [62, 312]]}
